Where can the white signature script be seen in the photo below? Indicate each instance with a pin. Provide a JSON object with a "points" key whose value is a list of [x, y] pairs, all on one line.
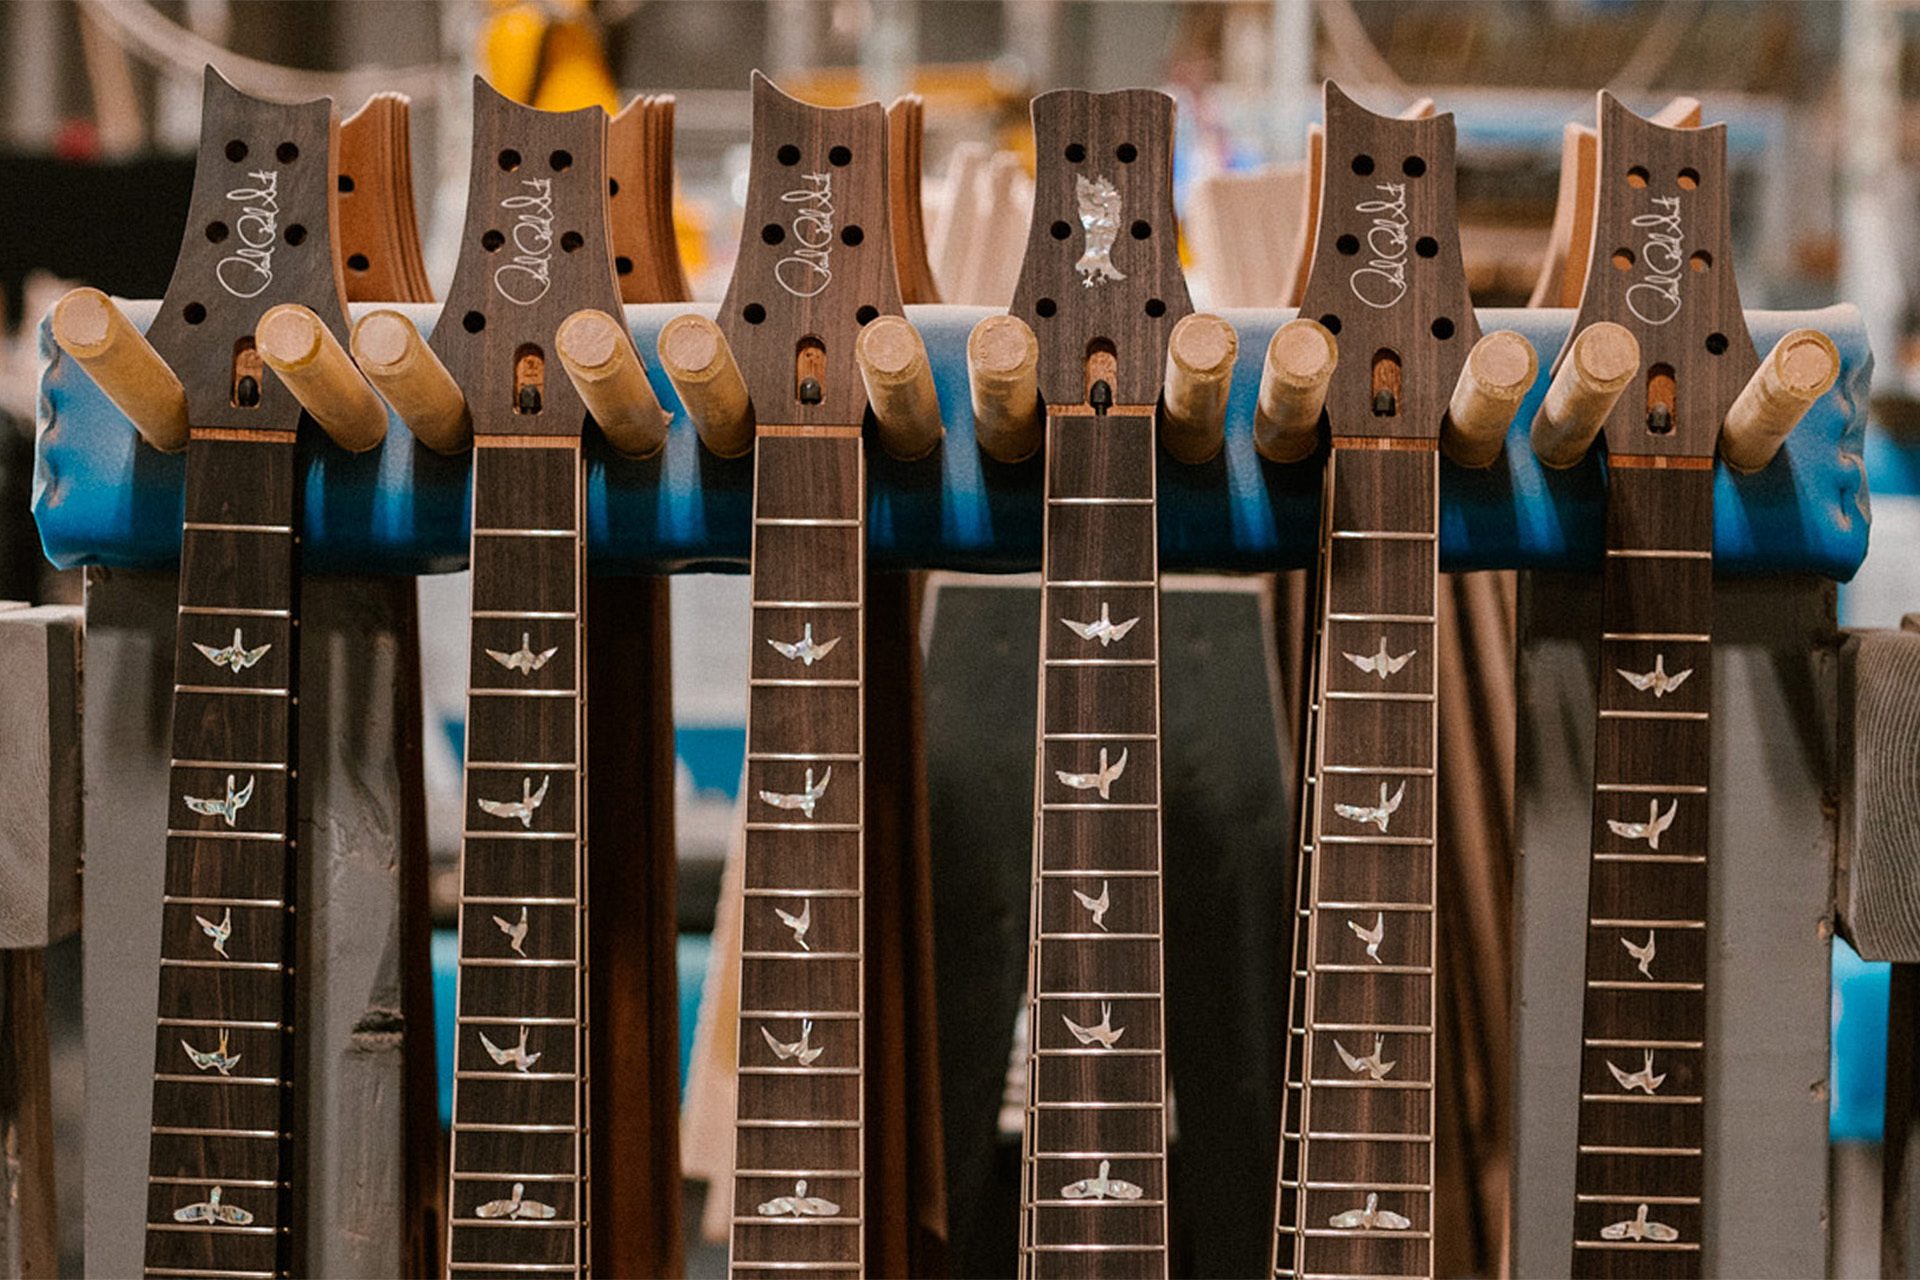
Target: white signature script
{"points": [[1656, 299], [248, 270], [807, 270], [1383, 281], [525, 280]]}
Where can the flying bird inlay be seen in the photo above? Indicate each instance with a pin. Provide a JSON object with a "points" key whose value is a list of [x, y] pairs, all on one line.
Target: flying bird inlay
{"points": [[1369, 1066], [1643, 1079], [236, 657], [522, 1060], [524, 659], [1638, 1228], [1101, 1187], [1102, 1031], [524, 807], [1643, 955], [218, 932], [212, 1212], [1100, 217], [516, 933], [1104, 628], [1371, 1218], [1657, 679], [518, 1207], [1372, 937], [1097, 905], [1649, 830], [804, 650], [228, 808], [798, 923], [1380, 663], [1100, 780], [219, 1060], [799, 1205], [1376, 814], [805, 799], [799, 1049]]}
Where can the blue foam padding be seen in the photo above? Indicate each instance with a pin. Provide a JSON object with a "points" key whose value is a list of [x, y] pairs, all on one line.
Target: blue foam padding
{"points": [[103, 497]]}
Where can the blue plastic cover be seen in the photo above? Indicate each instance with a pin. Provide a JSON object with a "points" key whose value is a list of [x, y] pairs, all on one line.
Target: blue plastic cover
{"points": [[102, 496]]}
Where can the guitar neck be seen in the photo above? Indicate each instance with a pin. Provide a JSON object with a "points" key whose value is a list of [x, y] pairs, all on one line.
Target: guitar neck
{"points": [[519, 1163], [799, 1135], [1094, 1165], [1643, 1034], [1357, 1160], [222, 1093]]}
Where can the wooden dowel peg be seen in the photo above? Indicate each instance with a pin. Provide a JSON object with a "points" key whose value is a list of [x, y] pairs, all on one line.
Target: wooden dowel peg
{"points": [[1496, 377], [403, 368], [91, 329], [1800, 369], [598, 355], [695, 354], [899, 381], [1293, 390], [296, 344], [1200, 355], [1003, 359], [1598, 367]]}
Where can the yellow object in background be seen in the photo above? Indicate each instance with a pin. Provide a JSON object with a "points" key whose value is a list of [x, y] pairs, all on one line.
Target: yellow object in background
{"points": [[548, 54]]}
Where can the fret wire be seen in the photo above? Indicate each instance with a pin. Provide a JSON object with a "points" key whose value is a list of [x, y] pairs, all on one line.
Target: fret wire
{"points": [[1097, 936], [800, 682], [801, 893], [1096, 995], [1674, 1246], [1642, 1099], [797, 1071], [252, 1184], [504, 833], [744, 1122], [1669, 637], [1100, 502], [215, 1228], [559, 615], [802, 826], [741, 1220], [1099, 582], [1361, 1233], [496, 532], [1100, 662], [518, 1224], [503, 1020], [215, 526], [232, 690], [525, 766], [1584, 1198], [1642, 1044], [1091, 1052], [1393, 840], [1097, 1204], [1608, 984], [1610, 713], [1649, 857], [1100, 737], [835, 757], [1656, 553], [787, 1015], [252, 766], [1341, 905], [527, 1268], [807, 522], [1611, 922], [492, 692], [481, 1175], [487, 1126], [799, 955], [1097, 1155], [1038, 1105], [1597, 1149], [1331, 1083], [1119, 874], [1425, 618], [512, 962], [171, 1077], [181, 900], [797, 1173], [509, 1073], [215, 833], [233, 1024], [1363, 1186], [1052, 806], [1411, 771], [1389, 1028], [262, 966], [209, 1273], [190, 1131], [1367, 695], [1385, 535], [805, 604], [230, 611], [1421, 970], [491, 900], [1416, 1139], [1650, 788], [1092, 1248]]}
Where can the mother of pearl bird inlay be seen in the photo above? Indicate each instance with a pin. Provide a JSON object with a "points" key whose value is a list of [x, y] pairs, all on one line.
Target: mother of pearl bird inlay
{"points": [[1649, 830], [1643, 955], [1102, 1031], [1657, 679], [1101, 1187], [219, 1060], [1098, 906], [1103, 628], [805, 799], [1371, 1218], [1377, 814], [516, 933], [518, 1056], [218, 932], [524, 659], [1372, 937], [516, 1207], [212, 1212], [523, 808], [799, 1050], [1638, 1228], [1369, 1066], [799, 1205], [1380, 662], [236, 657], [1100, 218], [1101, 780], [1643, 1079], [227, 808], [798, 923], [804, 650]]}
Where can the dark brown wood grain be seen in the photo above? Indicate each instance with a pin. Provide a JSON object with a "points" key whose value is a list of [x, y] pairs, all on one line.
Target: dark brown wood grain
{"points": [[1102, 262], [1661, 266], [264, 170]]}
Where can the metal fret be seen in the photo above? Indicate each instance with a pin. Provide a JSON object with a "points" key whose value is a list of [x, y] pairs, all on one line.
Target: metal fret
{"points": [[808, 522], [1388, 1028], [1385, 535], [1416, 1139], [802, 826], [783, 1015], [1425, 618], [1656, 553], [231, 611], [1100, 662], [1099, 582], [1373, 906], [1642, 1099], [1402, 840], [805, 604], [491, 692], [190, 1131], [506, 833], [218, 833], [232, 690], [506, 1020], [1609, 984], [524, 766], [1587, 1149], [1665, 637], [525, 533], [1650, 788], [1101, 805], [834, 757], [1649, 923], [1075, 872], [799, 682], [1411, 771], [799, 955], [251, 766], [210, 526], [1099, 737], [235, 1024], [209, 1273], [801, 893], [1649, 857], [173, 1077], [1613, 713], [561, 615], [1590, 1043], [188, 900], [263, 966], [1374, 695]]}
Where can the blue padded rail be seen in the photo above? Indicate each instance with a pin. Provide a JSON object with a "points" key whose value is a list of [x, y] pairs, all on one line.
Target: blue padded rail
{"points": [[101, 496]]}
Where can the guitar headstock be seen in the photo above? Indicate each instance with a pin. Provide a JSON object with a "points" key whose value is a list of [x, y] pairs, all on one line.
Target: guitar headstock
{"points": [[534, 250], [1102, 267], [816, 258], [1386, 277], [1662, 266], [260, 232]]}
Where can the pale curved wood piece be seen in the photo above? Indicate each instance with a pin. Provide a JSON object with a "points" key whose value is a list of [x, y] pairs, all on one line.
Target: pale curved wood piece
{"points": [[906, 134], [379, 234], [646, 249]]}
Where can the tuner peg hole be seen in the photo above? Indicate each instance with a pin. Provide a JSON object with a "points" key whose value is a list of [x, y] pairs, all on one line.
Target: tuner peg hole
{"points": [[1623, 259], [1413, 167], [346, 184], [1045, 308], [788, 155], [1689, 179], [1637, 176], [473, 322], [1363, 165], [1426, 246], [492, 240], [509, 160], [193, 313], [296, 234], [286, 153], [1716, 344], [772, 233], [560, 161], [1330, 322], [1156, 308], [1347, 245], [236, 151], [1075, 153], [867, 315], [753, 313], [1126, 153], [613, 187], [1700, 260], [1060, 230], [623, 265], [570, 241], [357, 262], [1442, 328], [839, 157], [851, 235], [1142, 229], [216, 231]]}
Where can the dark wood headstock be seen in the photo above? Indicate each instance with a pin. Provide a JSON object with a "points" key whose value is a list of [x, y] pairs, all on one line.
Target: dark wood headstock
{"points": [[1386, 275], [259, 233], [534, 250], [1662, 265], [816, 258], [1102, 269]]}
